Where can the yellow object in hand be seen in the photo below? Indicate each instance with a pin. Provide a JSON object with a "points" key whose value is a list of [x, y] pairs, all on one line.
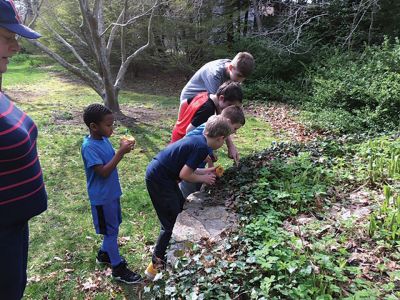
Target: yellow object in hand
{"points": [[219, 171], [130, 139]]}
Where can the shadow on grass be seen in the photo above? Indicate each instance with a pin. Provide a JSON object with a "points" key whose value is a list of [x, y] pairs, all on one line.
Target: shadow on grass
{"points": [[151, 137]]}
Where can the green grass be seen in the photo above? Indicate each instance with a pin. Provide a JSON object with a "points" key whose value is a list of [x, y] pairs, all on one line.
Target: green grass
{"points": [[63, 243]]}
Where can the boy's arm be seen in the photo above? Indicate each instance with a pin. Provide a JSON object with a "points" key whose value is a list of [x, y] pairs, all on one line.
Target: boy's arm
{"points": [[188, 174], [106, 170], [202, 171], [232, 151]]}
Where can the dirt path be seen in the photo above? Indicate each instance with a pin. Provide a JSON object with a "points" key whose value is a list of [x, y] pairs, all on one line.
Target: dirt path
{"points": [[282, 118]]}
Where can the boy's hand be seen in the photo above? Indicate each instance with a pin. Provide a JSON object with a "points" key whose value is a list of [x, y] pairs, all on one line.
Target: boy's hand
{"points": [[233, 154], [209, 178], [125, 146]]}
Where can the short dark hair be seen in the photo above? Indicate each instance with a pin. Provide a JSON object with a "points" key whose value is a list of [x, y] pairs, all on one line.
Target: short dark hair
{"points": [[95, 113], [244, 62], [235, 114], [231, 90]]}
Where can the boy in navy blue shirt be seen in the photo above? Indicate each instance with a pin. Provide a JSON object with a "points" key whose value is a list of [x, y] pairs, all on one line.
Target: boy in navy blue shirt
{"points": [[103, 187], [236, 117], [179, 161]]}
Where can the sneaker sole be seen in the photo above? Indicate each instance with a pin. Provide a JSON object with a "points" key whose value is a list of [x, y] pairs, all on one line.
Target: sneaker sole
{"points": [[149, 276], [128, 282]]}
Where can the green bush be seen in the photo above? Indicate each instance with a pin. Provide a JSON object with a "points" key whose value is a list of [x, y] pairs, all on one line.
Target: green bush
{"points": [[357, 92], [275, 91]]}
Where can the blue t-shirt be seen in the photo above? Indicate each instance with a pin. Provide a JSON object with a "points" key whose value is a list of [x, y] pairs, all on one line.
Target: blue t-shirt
{"points": [[190, 151], [99, 152], [197, 131]]}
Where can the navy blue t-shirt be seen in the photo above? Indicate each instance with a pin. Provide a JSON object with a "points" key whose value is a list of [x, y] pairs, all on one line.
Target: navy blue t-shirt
{"points": [[190, 151]]}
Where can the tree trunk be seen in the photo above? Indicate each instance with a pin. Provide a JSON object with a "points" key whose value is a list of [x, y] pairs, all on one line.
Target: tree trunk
{"points": [[229, 25], [239, 8], [246, 22], [110, 98], [257, 15]]}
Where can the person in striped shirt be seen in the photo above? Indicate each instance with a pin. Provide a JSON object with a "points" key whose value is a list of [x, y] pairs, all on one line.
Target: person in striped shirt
{"points": [[22, 191]]}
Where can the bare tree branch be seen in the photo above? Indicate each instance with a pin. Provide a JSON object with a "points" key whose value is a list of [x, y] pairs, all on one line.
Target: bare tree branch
{"points": [[114, 30], [74, 52], [35, 10], [95, 84], [131, 20], [362, 8], [124, 65], [73, 33], [123, 35]]}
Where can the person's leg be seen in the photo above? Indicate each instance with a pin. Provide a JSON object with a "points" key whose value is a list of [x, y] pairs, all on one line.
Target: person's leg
{"points": [[14, 254], [188, 188], [106, 220], [109, 215], [25, 247], [110, 245], [168, 202]]}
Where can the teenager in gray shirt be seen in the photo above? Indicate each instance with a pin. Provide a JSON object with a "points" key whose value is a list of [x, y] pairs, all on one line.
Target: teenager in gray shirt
{"points": [[214, 73]]}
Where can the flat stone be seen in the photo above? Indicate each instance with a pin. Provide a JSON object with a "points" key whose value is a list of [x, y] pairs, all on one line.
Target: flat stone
{"points": [[188, 228], [202, 219]]}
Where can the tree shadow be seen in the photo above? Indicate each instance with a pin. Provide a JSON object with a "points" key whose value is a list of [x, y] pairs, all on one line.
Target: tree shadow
{"points": [[146, 134]]}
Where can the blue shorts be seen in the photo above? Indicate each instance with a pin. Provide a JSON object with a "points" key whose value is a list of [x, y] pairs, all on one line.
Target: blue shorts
{"points": [[107, 217]]}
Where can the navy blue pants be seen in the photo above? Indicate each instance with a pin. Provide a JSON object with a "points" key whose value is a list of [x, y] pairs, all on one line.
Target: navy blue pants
{"points": [[168, 202], [14, 242]]}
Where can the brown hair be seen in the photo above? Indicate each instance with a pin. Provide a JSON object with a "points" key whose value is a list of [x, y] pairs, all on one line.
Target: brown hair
{"points": [[231, 90], [235, 114], [244, 63], [217, 126]]}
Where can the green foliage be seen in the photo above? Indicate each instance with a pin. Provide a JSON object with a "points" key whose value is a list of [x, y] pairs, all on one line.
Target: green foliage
{"points": [[385, 223], [264, 259], [379, 160], [353, 92]]}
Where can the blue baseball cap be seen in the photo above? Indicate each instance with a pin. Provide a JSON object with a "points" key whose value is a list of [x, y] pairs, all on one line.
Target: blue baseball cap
{"points": [[10, 20]]}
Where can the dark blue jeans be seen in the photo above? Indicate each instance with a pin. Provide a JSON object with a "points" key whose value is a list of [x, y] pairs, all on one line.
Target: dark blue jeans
{"points": [[14, 242]]}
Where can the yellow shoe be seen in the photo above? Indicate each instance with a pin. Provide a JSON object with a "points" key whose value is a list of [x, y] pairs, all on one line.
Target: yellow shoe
{"points": [[151, 271]]}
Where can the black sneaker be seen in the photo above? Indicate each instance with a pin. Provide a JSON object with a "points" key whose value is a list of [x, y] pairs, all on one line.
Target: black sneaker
{"points": [[122, 273], [103, 258]]}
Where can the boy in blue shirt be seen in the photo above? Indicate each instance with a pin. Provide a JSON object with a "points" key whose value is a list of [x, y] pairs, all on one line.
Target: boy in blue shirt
{"points": [[100, 161], [236, 117], [179, 161]]}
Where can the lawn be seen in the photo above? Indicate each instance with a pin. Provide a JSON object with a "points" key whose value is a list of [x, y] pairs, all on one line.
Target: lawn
{"points": [[63, 244]]}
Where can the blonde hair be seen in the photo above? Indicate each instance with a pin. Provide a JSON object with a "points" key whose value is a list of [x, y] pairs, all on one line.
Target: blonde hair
{"points": [[244, 63], [217, 126]]}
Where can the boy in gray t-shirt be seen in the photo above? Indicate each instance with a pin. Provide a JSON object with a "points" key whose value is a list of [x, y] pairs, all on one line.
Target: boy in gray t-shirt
{"points": [[214, 73]]}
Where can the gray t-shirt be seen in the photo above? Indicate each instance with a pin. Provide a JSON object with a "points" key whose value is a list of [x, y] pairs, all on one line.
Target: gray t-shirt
{"points": [[208, 78]]}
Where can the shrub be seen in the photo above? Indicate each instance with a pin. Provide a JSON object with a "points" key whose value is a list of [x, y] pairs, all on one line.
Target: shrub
{"points": [[362, 89]]}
